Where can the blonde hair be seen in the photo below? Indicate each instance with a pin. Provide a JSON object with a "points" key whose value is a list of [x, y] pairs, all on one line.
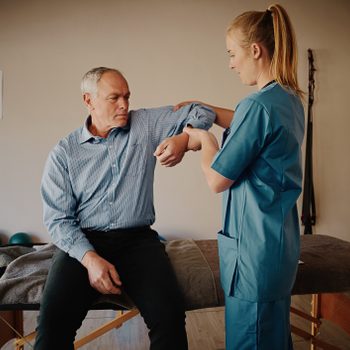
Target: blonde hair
{"points": [[272, 29]]}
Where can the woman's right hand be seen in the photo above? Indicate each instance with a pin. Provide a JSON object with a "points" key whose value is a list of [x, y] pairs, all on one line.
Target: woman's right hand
{"points": [[185, 103]]}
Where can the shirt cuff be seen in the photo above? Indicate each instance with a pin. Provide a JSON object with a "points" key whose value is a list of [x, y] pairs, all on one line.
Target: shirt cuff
{"points": [[201, 117], [79, 249]]}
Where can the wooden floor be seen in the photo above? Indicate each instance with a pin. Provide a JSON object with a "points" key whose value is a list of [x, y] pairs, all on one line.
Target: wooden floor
{"points": [[205, 330]]}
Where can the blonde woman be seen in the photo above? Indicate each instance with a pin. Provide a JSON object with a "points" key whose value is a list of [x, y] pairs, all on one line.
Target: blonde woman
{"points": [[258, 169]]}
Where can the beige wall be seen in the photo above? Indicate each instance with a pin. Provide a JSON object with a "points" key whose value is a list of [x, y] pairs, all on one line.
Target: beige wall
{"points": [[169, 51]]}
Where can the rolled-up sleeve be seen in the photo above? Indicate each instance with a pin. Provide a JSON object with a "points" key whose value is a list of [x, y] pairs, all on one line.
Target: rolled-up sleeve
{"points": [[199, 116], [164, 122], [59, 207]]}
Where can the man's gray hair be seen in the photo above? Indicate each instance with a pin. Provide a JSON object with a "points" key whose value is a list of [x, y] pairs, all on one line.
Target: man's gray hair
{"points": [[92, 77]]}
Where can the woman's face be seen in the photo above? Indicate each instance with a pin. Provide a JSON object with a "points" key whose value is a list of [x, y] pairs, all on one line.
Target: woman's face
{"points": [[241, 59]]}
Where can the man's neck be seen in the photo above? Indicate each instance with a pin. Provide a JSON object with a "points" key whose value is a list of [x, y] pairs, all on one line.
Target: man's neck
{"points": [[94, 130]]}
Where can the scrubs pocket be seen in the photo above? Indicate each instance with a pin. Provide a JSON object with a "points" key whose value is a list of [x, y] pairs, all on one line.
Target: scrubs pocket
{"points": [[228, 252]]}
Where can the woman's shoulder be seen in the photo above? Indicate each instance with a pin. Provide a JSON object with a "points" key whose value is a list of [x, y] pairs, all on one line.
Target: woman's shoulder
{"points": [[269, 97], [252, 101]]}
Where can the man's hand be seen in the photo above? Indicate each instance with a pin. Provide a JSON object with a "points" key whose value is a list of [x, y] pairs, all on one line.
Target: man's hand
{"points": [[102, 274], [171, 151]]}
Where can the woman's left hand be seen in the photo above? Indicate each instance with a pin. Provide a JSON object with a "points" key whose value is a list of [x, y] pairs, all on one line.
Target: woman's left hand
{"points": [[195, 140]]}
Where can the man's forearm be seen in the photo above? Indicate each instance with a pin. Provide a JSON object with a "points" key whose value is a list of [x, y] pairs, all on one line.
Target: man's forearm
{"points": [[183, 141], [70, 238]]}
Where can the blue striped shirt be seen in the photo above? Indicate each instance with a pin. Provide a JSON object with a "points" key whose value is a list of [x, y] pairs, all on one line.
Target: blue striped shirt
{"points": [[90, 182]]}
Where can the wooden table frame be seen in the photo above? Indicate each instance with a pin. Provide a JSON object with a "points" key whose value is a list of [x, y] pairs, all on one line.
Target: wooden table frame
{"points": [[314, 317]]}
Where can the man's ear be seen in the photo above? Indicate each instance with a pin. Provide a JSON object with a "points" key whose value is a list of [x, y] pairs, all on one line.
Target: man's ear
{"points": [[256, 50], [88, 101]]}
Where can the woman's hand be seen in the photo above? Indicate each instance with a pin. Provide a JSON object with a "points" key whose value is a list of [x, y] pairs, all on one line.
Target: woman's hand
{"points": [[185, 103], [195, 138], [207, 141]]}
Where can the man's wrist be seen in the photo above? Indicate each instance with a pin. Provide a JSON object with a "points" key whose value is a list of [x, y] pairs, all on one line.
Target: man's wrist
{"points": [[184, 137], [90, 254]]}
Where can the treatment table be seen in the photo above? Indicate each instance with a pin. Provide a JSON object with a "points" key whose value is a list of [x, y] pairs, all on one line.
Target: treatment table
{"points": [[324, 273]]}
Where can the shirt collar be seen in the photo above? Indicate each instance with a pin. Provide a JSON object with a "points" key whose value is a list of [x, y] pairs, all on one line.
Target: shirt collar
{"points": [[269, 83], [87, 136]]}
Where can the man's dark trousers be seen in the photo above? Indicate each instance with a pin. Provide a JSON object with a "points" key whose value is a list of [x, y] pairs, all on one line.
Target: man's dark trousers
{"points": [[147, 277]]}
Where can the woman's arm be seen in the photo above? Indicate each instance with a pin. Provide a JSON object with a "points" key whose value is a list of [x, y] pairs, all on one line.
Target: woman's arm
{"points": [[209, 145]]}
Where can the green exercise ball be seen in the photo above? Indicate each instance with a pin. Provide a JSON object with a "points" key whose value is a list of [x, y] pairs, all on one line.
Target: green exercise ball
{"points": [[20, 238]]}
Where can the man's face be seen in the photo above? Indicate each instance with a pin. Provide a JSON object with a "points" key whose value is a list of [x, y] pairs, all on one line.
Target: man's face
{"points": [[109, 108]]}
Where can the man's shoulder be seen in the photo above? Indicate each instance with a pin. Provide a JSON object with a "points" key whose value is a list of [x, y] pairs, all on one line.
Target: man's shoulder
{"points": [[69, 141], [73, 137]]}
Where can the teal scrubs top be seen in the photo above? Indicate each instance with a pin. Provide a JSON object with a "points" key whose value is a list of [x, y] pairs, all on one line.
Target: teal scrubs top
{"points": [[259, 242]]}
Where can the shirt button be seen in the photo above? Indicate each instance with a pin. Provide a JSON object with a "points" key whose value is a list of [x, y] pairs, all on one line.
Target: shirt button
{"points": [[110, 203]]}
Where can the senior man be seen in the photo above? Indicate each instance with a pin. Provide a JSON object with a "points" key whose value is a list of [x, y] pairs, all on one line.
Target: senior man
{"points": [[97, 191]]}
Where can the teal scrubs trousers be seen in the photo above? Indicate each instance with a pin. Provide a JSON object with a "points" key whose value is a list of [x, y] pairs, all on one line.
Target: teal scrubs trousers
{"points": [[260, 325]]}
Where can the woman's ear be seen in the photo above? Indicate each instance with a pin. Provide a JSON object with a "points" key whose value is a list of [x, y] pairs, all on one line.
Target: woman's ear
{"points": [[256, 50]]}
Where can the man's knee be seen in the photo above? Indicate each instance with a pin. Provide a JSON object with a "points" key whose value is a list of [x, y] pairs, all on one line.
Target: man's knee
{"points": [[165, 317]]}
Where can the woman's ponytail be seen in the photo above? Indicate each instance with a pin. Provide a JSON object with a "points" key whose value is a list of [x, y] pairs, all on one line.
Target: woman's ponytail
{"points": [[285, 56]]}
